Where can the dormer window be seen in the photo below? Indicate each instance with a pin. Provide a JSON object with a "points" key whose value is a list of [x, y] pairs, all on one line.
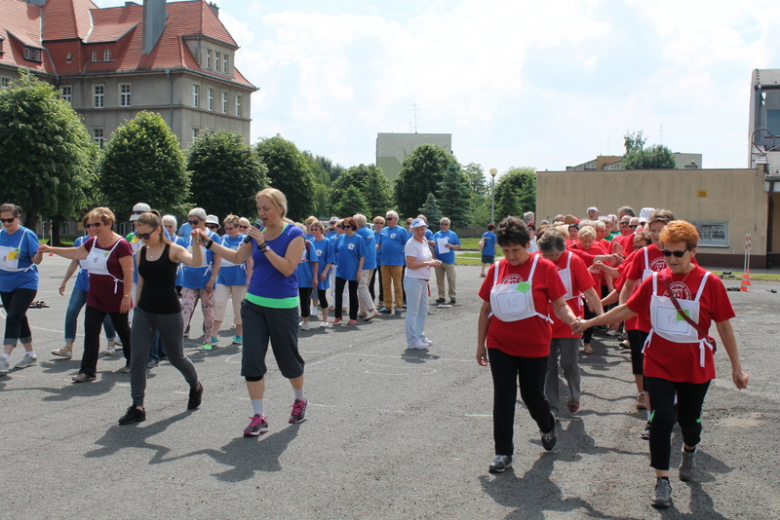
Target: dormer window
{"points": [[225, 64], [1, 46], [107, 55], [69, 57], [31, 54]]}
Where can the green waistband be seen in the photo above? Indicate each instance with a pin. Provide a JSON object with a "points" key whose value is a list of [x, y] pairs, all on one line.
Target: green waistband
{"points": [[274, 303]]}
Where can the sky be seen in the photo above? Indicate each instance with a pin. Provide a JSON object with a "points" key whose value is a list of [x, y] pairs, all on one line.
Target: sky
{"points": [[516, 83]]}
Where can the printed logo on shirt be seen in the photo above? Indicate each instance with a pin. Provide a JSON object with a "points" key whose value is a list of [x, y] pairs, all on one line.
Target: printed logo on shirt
{"points": [[351, 246], [658, 265], [512, 278], [319, 252], [107, 254], [679, 290], [392, 235]]}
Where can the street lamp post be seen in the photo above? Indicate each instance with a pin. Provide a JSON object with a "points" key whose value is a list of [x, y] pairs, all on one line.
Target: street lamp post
{"points": [[493, 173]]}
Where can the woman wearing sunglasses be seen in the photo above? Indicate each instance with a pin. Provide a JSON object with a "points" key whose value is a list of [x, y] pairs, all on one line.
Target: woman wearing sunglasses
{"points": [[158, 310], [109, 260], [678, 358], [19, 258], [270, 310], [78, 298], [351, 250], [231, 282]]}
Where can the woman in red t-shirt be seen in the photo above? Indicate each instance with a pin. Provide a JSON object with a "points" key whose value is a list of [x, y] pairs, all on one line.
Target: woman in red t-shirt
{"points": [[515, 329], [677, 359], [588, 245]]}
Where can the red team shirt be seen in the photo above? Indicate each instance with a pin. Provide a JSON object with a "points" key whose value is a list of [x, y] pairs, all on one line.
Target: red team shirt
{"points": [[581, 281], [588, 256], [679, 362], [529, 337]]}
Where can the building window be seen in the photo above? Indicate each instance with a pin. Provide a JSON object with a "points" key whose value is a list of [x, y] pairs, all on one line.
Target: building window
{"points": [[124, 95], [97, 134], [195, 95], [238, 106], [1, 46], [225, 64], [211, 99], [32, 54], [107, 55], [5, 83], [69, 57], [224, 102], [99, 91], [216, 63], [208, 58], [66, 93], [94, 55], [195, 133]]}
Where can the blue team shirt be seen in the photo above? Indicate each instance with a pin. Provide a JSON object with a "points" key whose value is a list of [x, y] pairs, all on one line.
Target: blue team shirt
{"points": [[449, 256], [232, 274], [377, 236], [368, 235], [393, 241], [198, 277], [82, 279], [25, 245], [326, 256], [305, 269], [489, 247], [349, 249]]}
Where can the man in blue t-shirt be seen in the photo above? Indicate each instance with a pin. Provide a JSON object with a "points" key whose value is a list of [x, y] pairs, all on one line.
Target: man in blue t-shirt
{"points": [[392, 240], [488, 247], [446, 243]]}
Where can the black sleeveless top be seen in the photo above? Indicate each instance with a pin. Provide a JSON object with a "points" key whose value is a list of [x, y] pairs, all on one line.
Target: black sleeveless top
{"points": [[158, 294]]}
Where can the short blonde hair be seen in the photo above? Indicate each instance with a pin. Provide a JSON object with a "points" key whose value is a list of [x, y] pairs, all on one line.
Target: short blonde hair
{"points": [[102, 214], [277, 198], [586, 232]]}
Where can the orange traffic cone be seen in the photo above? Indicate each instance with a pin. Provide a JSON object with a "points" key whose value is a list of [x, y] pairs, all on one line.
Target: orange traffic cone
{"points": [[745, 281]]}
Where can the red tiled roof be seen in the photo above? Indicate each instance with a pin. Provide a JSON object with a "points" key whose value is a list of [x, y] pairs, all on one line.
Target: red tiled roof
{"points": [[63, 19], [20, 27]]}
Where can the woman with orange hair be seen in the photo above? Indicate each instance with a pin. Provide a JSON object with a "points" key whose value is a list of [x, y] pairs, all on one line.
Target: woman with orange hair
{"points": [[681, 302]]}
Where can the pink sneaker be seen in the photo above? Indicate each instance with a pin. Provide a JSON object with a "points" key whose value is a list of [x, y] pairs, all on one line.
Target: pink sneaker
{"points": [[298, 411], [258, 425]]}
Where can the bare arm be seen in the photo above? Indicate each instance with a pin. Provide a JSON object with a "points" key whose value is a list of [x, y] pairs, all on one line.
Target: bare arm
{"points": [[592, 297], [71, 269], [412, 263], [726, 334], [482, 327], [563, 311], [180, 254], [72, 253], [126, 262], [616, 315], [627, 291]]}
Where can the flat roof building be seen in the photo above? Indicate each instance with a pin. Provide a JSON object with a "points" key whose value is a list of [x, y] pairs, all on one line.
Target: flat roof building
{"points": [[392, 149]]}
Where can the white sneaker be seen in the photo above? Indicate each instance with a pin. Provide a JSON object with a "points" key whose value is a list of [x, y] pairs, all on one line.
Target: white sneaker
{"points": [[420, 345], [324, 324], [111, 348], [428, 342], [27, 361], [305, 325], [4, 368], [612, 333]]}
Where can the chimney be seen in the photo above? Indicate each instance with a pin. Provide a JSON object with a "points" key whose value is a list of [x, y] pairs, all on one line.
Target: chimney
{"points": [[153, 24], [215, 8]]}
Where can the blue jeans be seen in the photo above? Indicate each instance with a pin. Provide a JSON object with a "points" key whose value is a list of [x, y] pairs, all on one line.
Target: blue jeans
{"points": [[78, 299], [416, 309], [157, 351]]}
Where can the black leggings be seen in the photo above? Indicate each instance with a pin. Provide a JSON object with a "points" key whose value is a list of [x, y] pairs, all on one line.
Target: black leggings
{"points": [[93, 321], [506, 370], [353, 297], [304, 295], [588, 334], [690, 399], [636, 338], [323, 298], [16, 304]]}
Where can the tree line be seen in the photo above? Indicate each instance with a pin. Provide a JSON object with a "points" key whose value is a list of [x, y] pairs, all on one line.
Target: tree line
{"points": [[53, 169]]}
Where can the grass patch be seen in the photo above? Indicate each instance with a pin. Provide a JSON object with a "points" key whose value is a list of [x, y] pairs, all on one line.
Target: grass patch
{"points": [[473, 258], [753, 276], [470, 243]]}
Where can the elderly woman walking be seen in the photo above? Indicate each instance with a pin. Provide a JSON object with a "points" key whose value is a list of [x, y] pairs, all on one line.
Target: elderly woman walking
{"points": [[419, 261]]}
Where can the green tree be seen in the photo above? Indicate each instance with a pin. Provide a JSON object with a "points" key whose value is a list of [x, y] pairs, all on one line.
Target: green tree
{"points": [[143, 162], [657, 157], [516, 192], [370, 181], [226, 174], [454, 197], [431, 211], [420, 175], [47, 158], [351, 203], [289, 172], [476, 177], [481, 211]]}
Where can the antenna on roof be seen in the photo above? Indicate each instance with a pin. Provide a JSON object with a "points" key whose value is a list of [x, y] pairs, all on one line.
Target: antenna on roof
{"points": [[415, 110]]}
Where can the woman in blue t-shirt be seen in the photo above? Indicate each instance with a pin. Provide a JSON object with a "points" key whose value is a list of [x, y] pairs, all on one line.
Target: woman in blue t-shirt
{"points": [[19, 259], [270, 310], [307, 274], [231, 280], [326, 258], [351, 250], [78, 298]]}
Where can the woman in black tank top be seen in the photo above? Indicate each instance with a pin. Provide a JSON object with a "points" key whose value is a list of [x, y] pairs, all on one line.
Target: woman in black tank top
{"points": [[158, 310]]}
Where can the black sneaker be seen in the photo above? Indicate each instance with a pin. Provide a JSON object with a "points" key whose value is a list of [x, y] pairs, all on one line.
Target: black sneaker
{"points": [[440, 300], [662, 497], [196, 395], [133, 415], [452, 301], [500, 464], [687, 465], [549, 439]]}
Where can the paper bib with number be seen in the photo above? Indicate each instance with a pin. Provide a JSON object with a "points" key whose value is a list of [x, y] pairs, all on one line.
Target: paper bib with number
{"points": [[513, 301], [565, 275], [9, 256], [666, 319]]}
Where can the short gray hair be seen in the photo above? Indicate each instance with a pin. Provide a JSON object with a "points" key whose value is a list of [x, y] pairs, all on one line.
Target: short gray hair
{"points": [[197, 212], [445, 220], [169, 218], [551, 241], [391, 213], [360, 219], [528, 216]]}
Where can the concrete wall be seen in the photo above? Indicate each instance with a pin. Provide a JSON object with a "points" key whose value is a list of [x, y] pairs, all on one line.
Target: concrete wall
{"points": [[392, 149], [735, 195]]}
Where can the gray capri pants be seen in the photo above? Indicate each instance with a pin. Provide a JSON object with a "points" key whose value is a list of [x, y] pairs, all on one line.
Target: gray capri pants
{"points": [[278, 325]]}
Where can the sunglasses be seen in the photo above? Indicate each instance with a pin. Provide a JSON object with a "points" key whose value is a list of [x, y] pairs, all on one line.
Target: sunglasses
{"points": [[676, 254], [634, 226], [244, 227], [145, 236], [390, 218], [193, 222], [96, 224], [7, 220], [230, 228], [346, 227], [443, 224], [212, 226]]}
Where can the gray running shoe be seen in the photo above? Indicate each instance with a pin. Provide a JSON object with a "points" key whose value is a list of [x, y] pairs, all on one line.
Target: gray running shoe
{"points": [[500, 464], [27, 361], [663, 493], [3, 366], [688, 465]]}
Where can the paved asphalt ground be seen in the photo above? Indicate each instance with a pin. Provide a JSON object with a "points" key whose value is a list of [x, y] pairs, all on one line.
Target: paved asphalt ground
{"points": [[389, 433]]}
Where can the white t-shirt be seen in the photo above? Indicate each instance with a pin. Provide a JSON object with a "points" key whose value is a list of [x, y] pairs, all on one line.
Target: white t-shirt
{"points": [[421, 253]]}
